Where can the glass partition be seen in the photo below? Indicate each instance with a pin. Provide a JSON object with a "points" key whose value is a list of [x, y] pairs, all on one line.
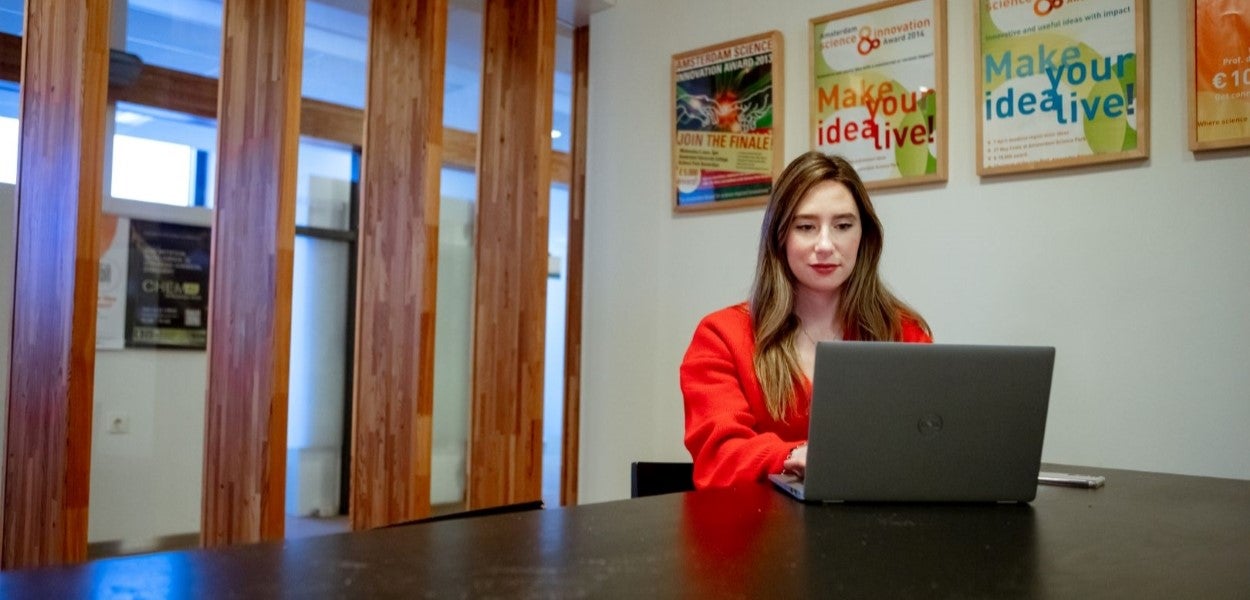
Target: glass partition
{"points": [[320, 394], [10, 24], [151, 362], [453, 329], [557, 281], [453, 340], [322, 300], [553, 381], [323, 293], [8, 225]]}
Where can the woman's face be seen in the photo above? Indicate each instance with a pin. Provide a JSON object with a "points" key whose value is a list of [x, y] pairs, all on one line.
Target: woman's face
{"points": [[823, 240]]}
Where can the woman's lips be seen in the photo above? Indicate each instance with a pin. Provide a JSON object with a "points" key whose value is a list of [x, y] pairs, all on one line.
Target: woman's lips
{"points": [[824, 269]]}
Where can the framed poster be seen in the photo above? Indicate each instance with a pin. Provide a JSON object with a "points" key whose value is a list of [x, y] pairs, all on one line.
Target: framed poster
{"points": [[878, 95], [167, 285], [1060, 84], [727, 126], [110, 319], [1219, 73]]}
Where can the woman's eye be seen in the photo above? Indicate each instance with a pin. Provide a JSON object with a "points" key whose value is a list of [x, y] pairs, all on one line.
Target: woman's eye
{"points": [[843, 226], [804, 227]]}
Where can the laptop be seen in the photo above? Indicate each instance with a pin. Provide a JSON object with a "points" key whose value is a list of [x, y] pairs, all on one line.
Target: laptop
{"points": [[893, 422]]}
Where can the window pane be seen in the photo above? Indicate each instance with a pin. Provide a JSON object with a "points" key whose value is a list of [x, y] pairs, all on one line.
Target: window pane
{"points": [[462, 86], [8, 150], [153, 171], [336, 45], [8, 131], [163, 156], [324, 184], [183, 35], [11, 16], [562, 98]]}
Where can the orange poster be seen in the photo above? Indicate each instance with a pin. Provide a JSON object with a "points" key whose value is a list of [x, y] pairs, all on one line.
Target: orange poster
{"points": [[110, 323], [1221, 74]]}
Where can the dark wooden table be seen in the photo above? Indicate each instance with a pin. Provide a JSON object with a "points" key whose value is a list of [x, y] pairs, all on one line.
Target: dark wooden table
{"points": [[1144, 535]]}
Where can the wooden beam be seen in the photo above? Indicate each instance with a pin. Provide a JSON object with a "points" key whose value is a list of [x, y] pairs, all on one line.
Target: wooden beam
{"points": [[52, 364], [252, 257], [171, 90], [333, 122], [561, 166], [398, 264], [196, 95], [10, 57], [460, 149], [570, 448], [514, 179]]}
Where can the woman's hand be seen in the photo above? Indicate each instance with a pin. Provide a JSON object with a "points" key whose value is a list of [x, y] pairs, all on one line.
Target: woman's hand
{"points": [[796, 462]]}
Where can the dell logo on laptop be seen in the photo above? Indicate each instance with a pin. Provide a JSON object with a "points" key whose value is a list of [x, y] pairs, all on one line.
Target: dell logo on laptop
{"points": [[929, 424]]}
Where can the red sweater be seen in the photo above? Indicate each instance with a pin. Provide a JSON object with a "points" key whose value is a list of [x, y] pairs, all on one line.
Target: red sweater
{"points": [[729, 432]]}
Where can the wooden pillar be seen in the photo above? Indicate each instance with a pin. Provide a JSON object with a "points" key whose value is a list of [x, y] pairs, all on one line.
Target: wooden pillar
{"points": [[250, 293], [573, 304], [514, 179], [59, 188], [398, 263]]}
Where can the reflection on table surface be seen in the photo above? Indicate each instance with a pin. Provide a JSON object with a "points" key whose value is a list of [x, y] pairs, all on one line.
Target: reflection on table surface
{"points": [[1142, 535]]}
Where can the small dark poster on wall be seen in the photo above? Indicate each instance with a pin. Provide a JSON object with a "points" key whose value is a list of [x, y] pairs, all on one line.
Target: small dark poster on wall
{"points": [[167, 287]]}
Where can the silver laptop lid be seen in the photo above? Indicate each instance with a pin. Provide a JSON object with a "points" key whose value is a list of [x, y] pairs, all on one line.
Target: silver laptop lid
{"points": [[927, 422]]}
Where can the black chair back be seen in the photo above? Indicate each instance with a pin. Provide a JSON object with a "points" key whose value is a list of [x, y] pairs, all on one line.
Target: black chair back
{"points": [[654, 478]]}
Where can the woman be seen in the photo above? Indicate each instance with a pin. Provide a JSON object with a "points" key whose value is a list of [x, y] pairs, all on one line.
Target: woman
{"points": [[746, 377]]}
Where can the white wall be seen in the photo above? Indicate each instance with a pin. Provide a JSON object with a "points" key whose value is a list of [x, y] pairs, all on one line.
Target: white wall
{"points": [[1137, 272], [146, 483]]}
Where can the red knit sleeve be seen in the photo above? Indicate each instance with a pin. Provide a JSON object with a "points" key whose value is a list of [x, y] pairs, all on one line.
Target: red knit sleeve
{"points": [[722, 429], [914, 333]]}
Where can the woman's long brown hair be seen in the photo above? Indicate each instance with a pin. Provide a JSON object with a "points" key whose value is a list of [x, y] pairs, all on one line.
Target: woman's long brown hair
{"points": [[867, 310]]}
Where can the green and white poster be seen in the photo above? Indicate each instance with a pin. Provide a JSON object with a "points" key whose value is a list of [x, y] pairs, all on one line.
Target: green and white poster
{"points": [[879, 90], [727, 133], [1060, 83]]}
